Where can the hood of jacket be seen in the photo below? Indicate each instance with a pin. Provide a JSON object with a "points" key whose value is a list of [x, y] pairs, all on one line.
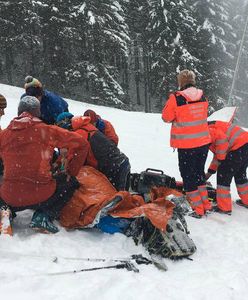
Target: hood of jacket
{"points": [[78, 122], [191, 94]]}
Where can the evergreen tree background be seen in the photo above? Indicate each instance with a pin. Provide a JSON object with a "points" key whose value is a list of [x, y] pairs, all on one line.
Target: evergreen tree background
{"points": [[125, 53]]}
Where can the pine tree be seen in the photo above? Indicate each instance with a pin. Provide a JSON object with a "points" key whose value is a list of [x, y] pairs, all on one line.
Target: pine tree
{"points": [[214, 49], [105, 38], [171, 29]]}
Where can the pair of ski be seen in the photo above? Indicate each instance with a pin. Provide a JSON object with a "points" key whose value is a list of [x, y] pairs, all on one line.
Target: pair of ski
{"points": [[122, 263]]}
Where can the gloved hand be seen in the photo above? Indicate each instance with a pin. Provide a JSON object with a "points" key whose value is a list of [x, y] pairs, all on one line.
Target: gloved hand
{"points": [[100, 125]]}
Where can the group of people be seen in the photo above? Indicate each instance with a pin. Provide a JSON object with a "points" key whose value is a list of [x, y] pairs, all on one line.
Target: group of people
{"points": [[193, 136], [42, 151], [44, 147]]}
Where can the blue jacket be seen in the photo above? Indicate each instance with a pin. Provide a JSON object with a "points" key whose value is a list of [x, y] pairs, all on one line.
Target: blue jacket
{"points": [[51, 106]]}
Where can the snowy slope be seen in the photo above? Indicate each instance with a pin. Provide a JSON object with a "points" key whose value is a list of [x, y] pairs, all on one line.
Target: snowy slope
{"points": [[219, 267]]}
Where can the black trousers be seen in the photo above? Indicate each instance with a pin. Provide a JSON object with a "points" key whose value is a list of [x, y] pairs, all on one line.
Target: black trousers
{"points": [[234, 165], [120, 176], [54, 204], [191, 165]]}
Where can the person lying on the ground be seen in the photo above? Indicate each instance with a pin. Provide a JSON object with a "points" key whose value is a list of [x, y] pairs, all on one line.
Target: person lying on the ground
{"points": [[103, 125], [26, 147], [51, 104], [156, 225], [229, 144], [103, 155]]}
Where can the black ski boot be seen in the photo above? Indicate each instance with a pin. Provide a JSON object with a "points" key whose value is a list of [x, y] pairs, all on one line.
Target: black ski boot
{"points": [[218, 210], [240, 203]]}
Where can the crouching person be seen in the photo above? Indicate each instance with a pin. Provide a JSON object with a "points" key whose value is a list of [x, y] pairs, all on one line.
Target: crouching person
{"points": [[230, 148], [26, 148], [103, 154]]}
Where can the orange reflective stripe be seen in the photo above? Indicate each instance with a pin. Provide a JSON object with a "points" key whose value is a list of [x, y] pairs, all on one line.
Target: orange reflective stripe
{"points": [[194, 198], [223, 187], [241, 186], [189, 136], [189, 124], [221, 141], [243, 192], [236, 135], [223, 198]]}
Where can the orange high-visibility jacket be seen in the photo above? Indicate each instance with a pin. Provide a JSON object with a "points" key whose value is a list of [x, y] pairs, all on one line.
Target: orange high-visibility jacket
{"points": [[225, 137], [187, 111]]}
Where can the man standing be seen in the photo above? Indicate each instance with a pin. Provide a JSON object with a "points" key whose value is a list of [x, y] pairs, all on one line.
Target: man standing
{"points": [[26, 148], [187, 110]]}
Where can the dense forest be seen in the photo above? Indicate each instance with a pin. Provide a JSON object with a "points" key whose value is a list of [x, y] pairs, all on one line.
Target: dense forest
{"points": [[125, 53]]}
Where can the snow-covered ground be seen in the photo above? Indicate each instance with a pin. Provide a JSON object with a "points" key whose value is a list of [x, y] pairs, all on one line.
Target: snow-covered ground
{"points": [[219, 269]]}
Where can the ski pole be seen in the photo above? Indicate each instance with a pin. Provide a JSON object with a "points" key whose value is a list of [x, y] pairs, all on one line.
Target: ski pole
{"points": [[138, 258], [127, 266]]}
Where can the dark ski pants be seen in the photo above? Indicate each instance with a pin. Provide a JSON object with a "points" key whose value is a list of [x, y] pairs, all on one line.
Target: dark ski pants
{"points": [[120, 176], [54, 204], [191, 165], [234, 165]]}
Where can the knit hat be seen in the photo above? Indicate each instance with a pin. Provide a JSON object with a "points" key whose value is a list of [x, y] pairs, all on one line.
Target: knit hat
{"points": [[93, 116], [29, 104], [63, 120], [3, 102], [186, 77], [33, 86]]}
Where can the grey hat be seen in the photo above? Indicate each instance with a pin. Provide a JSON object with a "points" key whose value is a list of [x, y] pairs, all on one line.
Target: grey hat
{"points": [[29, 104]]}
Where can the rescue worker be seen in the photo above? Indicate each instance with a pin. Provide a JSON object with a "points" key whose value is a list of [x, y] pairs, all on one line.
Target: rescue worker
{"points": [[103, 125], [230, 148], [187, 110]]}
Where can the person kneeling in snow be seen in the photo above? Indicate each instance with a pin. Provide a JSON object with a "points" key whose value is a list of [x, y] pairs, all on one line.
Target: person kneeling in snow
{"points": [[103, 125], [103, 154], [230, 148], [51, 104], [26, 147]]}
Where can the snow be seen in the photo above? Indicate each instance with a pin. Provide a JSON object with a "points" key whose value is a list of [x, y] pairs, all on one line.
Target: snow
{"points": [[219, 267]]}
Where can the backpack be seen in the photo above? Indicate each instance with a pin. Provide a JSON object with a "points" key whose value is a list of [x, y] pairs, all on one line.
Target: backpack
{"points": [[143, 182]]}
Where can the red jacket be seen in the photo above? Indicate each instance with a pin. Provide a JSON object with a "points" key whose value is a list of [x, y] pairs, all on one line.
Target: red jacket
{"points": [[26, 147], [85, 129], [225, 137], [187, 111], [109, 131]]}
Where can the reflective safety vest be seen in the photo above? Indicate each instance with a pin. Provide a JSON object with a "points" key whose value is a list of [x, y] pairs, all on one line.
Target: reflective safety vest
{"points": [[225, 137], [187, 111]]}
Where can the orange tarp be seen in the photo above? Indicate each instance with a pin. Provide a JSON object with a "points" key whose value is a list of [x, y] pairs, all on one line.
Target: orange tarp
{"points": [[96, 192]]}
